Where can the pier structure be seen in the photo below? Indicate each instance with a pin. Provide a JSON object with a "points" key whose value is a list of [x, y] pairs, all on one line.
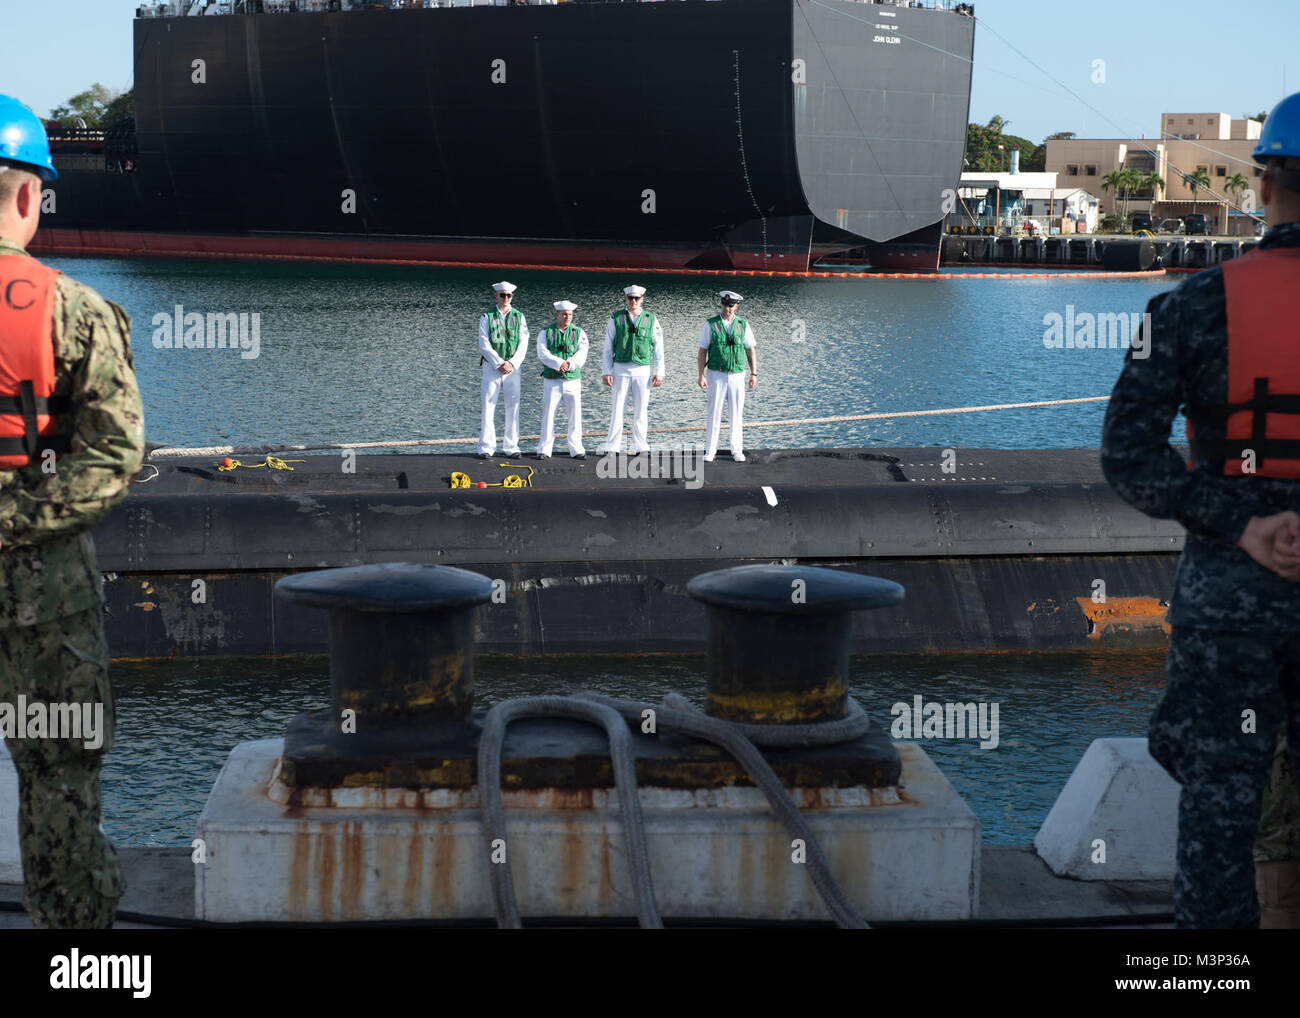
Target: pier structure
{"points": [[388, 805], [1100, 252]]}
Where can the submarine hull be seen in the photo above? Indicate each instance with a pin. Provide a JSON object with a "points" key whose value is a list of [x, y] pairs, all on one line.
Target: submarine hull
{"points": [[590, 563]]}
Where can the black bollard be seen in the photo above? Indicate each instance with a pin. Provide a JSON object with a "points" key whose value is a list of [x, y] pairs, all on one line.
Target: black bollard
{"points": [[401, 635], [779, 639], [401, 639], [402, 658]]}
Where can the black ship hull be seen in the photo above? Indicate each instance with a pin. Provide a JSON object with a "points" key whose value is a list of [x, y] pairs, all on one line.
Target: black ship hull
{"points": [[748, 134]]}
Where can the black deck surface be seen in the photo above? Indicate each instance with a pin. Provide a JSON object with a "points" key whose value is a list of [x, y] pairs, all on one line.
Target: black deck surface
{"points": [[813, 467]]}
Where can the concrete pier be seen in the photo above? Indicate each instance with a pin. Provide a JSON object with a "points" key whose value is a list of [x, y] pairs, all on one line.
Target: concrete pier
{"points": [[1016, 889], [1115, 819], [909, 853]]}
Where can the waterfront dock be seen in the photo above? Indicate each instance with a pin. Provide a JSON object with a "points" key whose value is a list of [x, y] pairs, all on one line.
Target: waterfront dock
{"points": [[1115, 253], [1016, 889]]}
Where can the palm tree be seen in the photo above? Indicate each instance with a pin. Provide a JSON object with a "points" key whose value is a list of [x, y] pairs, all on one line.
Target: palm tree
{"points": [[1132, 182], [1154, 183], [1236, 184], [1124, 183], [1197, 180], [1114, 180]]}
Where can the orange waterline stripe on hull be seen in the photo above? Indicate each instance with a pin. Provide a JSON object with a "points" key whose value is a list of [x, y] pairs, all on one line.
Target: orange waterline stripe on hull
{"points": [[1021, 265]]}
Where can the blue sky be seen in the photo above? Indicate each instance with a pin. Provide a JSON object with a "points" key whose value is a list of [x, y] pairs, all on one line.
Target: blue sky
{"points": [[1189, 57]]}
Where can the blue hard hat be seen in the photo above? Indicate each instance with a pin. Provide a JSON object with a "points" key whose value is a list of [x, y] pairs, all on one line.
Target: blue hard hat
{"points": [[23, 140], [1281, 135]]}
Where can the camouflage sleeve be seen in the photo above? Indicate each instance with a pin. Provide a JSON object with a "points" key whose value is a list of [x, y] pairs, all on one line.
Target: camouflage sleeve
{"points": [[1136, 455], [94, 345]]}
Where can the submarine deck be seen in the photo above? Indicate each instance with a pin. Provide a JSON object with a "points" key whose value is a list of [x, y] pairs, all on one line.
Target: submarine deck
{"points": [[799, 467]]}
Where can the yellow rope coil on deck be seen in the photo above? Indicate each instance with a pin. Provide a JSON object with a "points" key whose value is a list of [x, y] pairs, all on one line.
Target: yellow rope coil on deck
{"points": [[460, 480], [274, 462]]}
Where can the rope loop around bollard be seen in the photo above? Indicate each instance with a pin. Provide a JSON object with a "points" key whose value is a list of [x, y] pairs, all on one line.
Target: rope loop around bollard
{"points": [[620, 751], [741, 740]]}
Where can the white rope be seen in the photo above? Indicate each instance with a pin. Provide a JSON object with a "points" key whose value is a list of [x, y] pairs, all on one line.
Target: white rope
{"points": [[257, 450]]}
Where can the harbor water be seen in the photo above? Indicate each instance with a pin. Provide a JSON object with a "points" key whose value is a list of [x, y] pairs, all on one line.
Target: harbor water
{"points": [[359, 353], [1049, 708]]}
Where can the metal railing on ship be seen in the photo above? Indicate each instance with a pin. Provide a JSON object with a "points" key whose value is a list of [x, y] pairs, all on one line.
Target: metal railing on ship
{"points": [[199, 8]]}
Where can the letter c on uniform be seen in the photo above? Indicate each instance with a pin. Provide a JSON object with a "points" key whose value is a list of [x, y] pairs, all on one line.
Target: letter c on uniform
{"points": [[9, 294]]}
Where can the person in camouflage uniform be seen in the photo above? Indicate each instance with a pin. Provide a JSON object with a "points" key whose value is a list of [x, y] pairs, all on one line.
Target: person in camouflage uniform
{"points": [[1234, 655], [52, 645], [1277, 849]]}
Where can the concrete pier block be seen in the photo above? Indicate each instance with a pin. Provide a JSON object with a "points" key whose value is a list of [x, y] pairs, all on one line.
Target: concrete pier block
{"points": [[11, 864], [1119, 802], [371, 853]]}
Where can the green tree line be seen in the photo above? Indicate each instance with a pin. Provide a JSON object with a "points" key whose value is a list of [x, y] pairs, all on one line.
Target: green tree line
{"points": [[99, 106], [984, 156]]}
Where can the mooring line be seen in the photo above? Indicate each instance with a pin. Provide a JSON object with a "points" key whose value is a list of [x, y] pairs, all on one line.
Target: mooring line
{"points": [[250, 450]]}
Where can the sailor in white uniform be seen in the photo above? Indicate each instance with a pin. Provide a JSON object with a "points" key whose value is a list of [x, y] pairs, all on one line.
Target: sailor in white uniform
{"points": [[503, 344], [726, 344], [633, 359], [562, 349]]}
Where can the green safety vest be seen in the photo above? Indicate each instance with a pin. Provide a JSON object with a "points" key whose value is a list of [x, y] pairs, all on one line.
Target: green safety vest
{"points": [[503, 335], [634, 343], [727, 353], [564, 345]]}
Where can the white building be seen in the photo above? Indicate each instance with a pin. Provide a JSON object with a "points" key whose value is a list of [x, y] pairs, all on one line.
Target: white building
{"points": [[1022, 203]]}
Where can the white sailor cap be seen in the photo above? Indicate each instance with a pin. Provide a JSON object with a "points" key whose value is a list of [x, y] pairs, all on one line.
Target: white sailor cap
{"points": [[565, 305], [504, 287], [730, 295], [634, 291]]}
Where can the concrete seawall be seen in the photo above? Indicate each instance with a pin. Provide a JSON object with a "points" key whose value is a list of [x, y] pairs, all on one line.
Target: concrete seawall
{"points": [[1086, 250]]}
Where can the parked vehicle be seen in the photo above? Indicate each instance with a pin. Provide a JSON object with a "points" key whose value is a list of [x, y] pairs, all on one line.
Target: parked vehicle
{"points": [[1142, 221], [1197, 223], [1173, 226]]}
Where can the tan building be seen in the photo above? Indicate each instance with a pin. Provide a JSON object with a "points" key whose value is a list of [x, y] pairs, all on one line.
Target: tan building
{"points": [[1214, 142]]}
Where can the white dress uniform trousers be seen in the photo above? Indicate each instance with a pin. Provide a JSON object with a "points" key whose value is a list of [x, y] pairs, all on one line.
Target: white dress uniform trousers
{"points": [[728, 386], [635, 377], [495, 385], [555, 389]]}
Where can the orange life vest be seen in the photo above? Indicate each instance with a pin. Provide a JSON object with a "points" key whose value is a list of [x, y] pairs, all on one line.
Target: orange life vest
{"points": [[28, 408], [1262, 413]]}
